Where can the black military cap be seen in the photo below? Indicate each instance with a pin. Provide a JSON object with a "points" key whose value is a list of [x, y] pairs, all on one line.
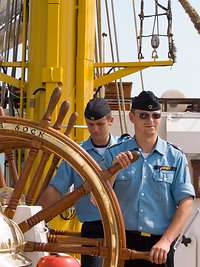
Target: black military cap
{"points": [[146, 100], [96, 109]]}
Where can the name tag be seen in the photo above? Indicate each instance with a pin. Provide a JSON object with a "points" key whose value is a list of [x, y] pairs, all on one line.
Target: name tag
{"points": [[164, 168]]}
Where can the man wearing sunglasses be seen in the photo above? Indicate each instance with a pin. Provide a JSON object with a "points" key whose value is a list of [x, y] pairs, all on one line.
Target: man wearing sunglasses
{"points": [[155, 192]]}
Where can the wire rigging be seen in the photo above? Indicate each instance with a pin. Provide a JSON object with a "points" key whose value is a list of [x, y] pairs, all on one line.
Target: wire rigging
{"points": [[155, 35], [11, 29], [137, 42], [113, 59], [121, 89]]}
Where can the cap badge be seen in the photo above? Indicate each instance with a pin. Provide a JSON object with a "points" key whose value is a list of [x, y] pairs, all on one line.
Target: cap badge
{"points": [[150, 106]]}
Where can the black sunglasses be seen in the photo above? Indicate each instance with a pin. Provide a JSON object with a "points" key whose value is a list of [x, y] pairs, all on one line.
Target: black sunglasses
{"points": [[146, 115]]}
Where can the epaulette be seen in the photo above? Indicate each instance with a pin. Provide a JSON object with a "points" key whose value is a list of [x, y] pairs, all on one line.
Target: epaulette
{"points": [[114, 145], [176, 147], [124, 136], [121, 139]]}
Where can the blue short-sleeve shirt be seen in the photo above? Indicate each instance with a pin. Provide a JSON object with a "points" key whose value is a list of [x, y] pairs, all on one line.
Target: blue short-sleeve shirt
{"points": [[150, 189], [66, 176]]}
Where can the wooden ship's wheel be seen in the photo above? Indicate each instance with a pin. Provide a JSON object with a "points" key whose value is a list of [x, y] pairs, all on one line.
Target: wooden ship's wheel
{"points": [[40, 138]]}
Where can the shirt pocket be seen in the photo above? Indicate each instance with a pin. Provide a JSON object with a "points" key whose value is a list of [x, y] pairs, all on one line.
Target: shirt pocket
{"points": [[164, 176], [126, 174], [125, 184]]}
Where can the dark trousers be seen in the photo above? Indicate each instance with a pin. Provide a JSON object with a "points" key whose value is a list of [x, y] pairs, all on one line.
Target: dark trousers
{"points": [[144, 243], [93, 230]]}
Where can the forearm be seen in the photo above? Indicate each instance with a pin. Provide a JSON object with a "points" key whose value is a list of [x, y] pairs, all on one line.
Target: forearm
{"points": [[50, 196], [159, 251], [180, 218]]}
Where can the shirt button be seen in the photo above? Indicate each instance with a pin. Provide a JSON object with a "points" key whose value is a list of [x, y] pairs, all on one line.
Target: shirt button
{"points": [[145, 160], [140, 227], [142, 194], [144, 176], [141, 210]]}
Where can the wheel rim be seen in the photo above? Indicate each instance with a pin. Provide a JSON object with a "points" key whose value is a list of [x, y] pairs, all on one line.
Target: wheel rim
{"points": [[16, 130]]}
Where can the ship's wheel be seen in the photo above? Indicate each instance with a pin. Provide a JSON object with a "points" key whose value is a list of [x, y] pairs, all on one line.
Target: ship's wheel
{"points": [[41, 139]]}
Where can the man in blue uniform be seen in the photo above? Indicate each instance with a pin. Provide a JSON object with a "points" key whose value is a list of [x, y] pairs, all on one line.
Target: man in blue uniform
{"points": [[155, 192], [99, 120]]}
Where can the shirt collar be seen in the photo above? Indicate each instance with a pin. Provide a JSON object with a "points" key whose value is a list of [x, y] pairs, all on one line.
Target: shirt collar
{"points": [[132, 144], [160, 146], [89, 145]]}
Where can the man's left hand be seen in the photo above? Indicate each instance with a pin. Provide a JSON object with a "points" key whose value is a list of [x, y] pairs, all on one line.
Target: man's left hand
{"points": [[159, 251]]}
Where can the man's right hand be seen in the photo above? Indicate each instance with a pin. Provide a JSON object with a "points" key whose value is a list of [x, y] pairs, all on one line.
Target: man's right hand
{"points": [[124, 159]]}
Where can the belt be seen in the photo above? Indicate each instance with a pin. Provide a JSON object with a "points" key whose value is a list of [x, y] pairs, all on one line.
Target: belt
{"points": [[140, 233]]}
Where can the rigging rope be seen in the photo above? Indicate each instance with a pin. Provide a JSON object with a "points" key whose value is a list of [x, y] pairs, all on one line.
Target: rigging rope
{"points": [[155, 36], [120, 80], [97, 39], [5, 51], [137, 42], [194, 16], [11, 26], [98, 33], [112, 55], [141, 15], [161, 6]]}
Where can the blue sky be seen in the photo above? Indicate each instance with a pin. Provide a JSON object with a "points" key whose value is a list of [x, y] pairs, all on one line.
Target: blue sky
{"points": [[184, 75]]}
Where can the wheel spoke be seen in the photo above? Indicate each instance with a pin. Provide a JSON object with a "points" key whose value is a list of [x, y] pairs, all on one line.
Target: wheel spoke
{"points": [[67, 248], [20, 185], [75, 240], [49, 175], [12, 165], [31, 195], [50, 212]]}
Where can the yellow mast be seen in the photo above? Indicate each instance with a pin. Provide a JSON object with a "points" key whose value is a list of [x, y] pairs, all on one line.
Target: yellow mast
{"points": [[52, 33], [61, 54], [85, 60]]}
